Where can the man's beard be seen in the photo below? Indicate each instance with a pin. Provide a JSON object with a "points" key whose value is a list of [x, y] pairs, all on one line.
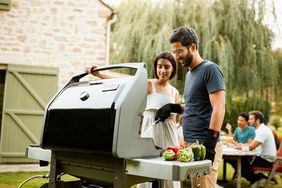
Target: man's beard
{"points": [[188, 60]]}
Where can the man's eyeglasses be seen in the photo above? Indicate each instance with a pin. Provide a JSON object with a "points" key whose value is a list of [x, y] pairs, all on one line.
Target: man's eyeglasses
{"points": [[180, 50]]}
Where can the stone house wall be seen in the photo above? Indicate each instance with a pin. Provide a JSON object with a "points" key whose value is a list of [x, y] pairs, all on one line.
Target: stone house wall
{"points": [[68, 34]]}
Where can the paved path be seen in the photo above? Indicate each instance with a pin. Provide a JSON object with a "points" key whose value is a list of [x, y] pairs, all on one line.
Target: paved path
{"points": [[22, 167]]}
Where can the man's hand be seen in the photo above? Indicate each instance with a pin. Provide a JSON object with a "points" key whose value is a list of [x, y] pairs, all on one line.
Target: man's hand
{"points": [[164, 112], [239, 146], [210, 143]]}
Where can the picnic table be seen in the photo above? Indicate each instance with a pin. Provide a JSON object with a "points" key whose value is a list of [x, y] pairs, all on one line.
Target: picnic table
{"points": [[235, 154]]}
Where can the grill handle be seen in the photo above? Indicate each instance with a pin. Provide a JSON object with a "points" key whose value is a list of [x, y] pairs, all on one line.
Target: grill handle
{"points": [[76, 77]]}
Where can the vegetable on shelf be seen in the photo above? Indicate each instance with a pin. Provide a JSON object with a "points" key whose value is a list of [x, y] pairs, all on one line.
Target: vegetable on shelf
{"points": [[199, 151], [185, 155], [169, 155], [196, 152]]}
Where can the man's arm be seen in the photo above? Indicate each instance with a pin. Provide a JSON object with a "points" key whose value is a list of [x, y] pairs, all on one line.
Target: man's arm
{"points": [[254, 144], [217, 100]]}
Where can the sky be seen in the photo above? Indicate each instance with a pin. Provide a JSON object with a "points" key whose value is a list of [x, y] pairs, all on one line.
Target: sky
{"points": [[275, 26]]}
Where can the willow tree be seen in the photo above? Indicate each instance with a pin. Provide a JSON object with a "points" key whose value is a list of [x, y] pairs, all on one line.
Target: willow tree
{"points": [[278, 91], [231, 33], [242, 46], [141, 32]]}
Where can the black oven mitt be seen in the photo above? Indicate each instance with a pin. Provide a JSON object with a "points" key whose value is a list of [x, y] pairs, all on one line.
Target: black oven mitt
{"points": [[164, 112], [210, 142]]}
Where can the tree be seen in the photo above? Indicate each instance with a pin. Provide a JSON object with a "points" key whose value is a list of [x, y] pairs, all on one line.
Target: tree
{"points": [[141, 32], [278, 90], [231, 34]]}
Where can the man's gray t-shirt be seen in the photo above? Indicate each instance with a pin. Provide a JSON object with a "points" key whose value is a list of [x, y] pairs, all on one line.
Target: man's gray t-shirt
{"points": [[203, 80]]}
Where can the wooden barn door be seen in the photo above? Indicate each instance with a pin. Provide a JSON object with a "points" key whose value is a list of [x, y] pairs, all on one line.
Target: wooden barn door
{"points": [[27, 91]]}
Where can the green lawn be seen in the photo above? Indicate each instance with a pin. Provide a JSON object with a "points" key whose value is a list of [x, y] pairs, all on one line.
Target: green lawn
{"points": [[14, 179], [245, 184]]}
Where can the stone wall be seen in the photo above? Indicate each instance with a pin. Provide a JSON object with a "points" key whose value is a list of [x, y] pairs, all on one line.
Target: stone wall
{"points": [[68, 34]]}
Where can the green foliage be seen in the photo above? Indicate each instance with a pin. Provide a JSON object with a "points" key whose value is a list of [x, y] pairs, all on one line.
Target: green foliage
{"points": [[231, 34], [242, 104], [278, 110], [275, 121], [235, 46], [278, 91]]}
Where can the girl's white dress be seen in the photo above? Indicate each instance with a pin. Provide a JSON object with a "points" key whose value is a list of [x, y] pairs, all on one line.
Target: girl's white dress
{"points": [[164, 134]]}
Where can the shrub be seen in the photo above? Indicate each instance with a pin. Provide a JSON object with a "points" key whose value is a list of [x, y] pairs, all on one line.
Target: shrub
{"points": [[241, 104], [275, 121]]}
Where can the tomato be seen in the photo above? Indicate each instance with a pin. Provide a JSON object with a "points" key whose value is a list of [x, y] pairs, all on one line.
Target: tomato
{"points": [[174, 149]]}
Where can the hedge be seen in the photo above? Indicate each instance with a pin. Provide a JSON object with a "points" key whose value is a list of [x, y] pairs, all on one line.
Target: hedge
{"points": [[241, 104]]}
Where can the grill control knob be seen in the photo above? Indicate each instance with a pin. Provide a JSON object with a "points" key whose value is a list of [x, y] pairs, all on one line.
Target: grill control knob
{"points": [[84, 96]]}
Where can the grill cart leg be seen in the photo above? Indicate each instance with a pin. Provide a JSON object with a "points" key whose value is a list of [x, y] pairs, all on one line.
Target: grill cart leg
{"points": [[53, 172], [122, 180], [118, 175], [55, 178]]}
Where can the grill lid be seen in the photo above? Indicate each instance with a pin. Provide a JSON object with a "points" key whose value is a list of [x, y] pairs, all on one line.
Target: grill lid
{"points": [[100, 116]]}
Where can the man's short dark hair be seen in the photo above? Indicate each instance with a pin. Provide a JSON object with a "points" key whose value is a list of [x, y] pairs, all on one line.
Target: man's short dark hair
{"points": [[185, 35], [258, 115], [245, 115], [168, 56]]}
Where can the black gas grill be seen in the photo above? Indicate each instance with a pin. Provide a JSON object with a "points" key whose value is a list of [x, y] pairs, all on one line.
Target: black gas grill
{"points": [[92, 129]]}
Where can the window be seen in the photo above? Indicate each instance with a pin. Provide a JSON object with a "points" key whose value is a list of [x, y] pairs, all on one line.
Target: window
{"points": [[5, 4]]}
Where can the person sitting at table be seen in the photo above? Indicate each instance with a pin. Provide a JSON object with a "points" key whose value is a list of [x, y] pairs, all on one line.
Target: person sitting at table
{"points": [[243, 134], [263, 144]]}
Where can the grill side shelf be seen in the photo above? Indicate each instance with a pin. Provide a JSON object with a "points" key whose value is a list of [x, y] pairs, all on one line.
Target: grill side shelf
{"points": [[158, 168], [155, 168]]}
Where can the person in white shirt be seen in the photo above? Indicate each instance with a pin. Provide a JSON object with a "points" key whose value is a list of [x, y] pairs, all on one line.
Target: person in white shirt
{"points": [[263, 144]]}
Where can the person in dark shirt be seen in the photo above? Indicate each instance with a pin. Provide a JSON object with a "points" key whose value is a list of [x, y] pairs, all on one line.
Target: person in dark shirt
{"points": [[204, 96]]}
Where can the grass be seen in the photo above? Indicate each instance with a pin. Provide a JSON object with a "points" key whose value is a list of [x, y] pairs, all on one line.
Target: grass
{"points": [[244, 183], [14, 179]]}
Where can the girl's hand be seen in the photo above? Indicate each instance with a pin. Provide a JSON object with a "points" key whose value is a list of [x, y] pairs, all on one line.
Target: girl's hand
{"points": [[91, 67]]}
